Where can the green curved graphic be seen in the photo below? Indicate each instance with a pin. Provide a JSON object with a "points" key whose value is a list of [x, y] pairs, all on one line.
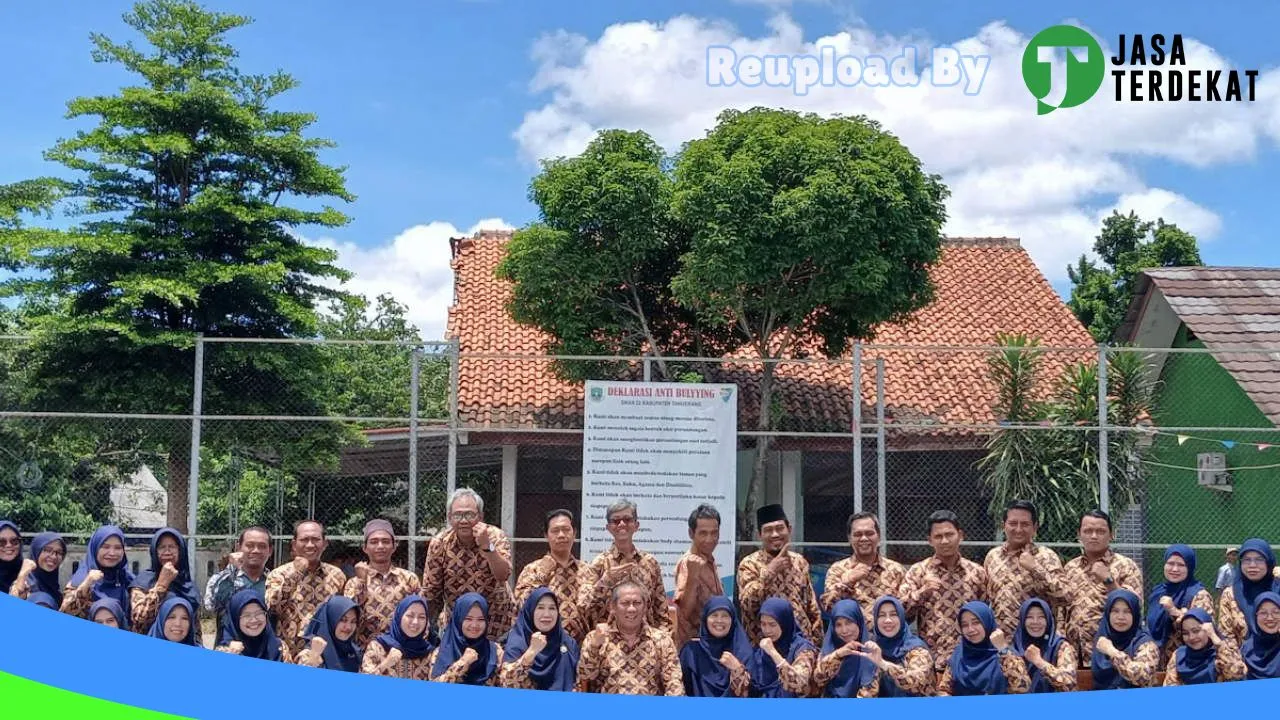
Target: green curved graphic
{"points": [[23, 694]]}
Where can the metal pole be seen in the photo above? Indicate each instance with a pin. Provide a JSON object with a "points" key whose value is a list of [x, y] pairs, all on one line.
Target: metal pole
{"points": [[451, 482], [1104, 479], [857, 426], [647, 368], [193, 471], [881, 508], [414, 369]]}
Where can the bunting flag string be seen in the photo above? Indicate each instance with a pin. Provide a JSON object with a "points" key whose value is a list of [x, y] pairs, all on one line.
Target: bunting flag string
{"points": [[1228, 444]]}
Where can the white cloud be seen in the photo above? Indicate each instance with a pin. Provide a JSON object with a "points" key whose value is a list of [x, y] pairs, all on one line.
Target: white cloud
{"points": [[413, 267], [1046, 179]]}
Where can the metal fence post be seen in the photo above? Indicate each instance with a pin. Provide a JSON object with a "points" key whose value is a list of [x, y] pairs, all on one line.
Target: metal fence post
{"points": [[857, 426], [451, 481], [1104, 477], [648, 368], [881, 507], [415, 368], [193, 472]]}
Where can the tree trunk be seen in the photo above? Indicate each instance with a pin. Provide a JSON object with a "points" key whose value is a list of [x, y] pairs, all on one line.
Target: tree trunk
{"points": [[178, 485], [763, 422]]}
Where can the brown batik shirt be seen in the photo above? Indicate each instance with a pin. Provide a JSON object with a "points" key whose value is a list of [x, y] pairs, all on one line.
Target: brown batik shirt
{"points": [[596, 582], [1081, 597], [1228, 665], [145, 604], [1204, 601], [915, 675], [456, 672], [697, 581], [378, 597], [792, 583], [884, 578], [415, 669], [938, 616], [1015, 674], [453, 569], [1231, 622], [1009, 584], [562, 579], [827, 669], [1061, 673], [612, 665], [294, 596]]}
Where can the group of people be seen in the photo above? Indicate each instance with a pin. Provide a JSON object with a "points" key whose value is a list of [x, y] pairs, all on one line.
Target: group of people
{"points": [[1023, 621]]}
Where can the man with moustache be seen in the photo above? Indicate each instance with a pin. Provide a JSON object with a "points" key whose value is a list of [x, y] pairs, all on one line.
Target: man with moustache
{"points": [[627, 656], [774, 570], [470, 557], [697, 576], [378, 587], [865, 575], [1019, 569], [294, 591], [246, 570], [557, 570], [1087, 580]]}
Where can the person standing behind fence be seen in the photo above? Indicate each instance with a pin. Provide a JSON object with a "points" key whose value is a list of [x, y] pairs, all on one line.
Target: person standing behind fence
{"points": [[937, 588], [623, 561], [246, 570], [697, 575], [557, 570], [1019, 569], [866, 575], [294, 591], [168, 576], [1227, 572], [1086, 581], [470, 556], [104, 573], [775, 571], [40, 573], [377, 586]]}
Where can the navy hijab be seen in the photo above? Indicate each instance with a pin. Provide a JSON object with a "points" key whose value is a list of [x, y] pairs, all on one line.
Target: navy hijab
{"points": [[42, 580], [1159, 623], [411, 648], [122, 619], [704, 676], [1105, 676], [9, 568], [166, 609], [764, 674], [43, 599], [975, 667], [338, 654], [453, 643], [894, 649], [1261, 650], [182, 586], [1196, 667], [116, 580], [266, 646], [855, 671], [556, 667], [1246, 591], [1049, 643]]}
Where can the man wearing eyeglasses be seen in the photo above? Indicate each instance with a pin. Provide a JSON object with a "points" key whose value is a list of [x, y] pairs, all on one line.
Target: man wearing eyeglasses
{"points": [[866, 575], [623, 561], [470, 556]]}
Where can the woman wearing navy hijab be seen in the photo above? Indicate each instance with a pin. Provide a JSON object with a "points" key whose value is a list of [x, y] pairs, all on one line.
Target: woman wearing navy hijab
{"points": [[169, 576], [539, 654], [404, 650], [466, 655], [782, 664], [10, 554], [40, 573], [43, 600], [714, 664], [1169, 601], [983, 663], [1255, 575], [332, 631], [1204, 657], [1051, 660], [103, 574], [175, 622], [905, 662], [842, 670], [108, 612], [1262, 650], [246, 628], [1124, 655]]}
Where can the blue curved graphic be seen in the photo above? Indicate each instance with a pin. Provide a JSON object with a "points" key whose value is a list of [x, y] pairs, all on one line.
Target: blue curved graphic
{"points": [[67, 653]]}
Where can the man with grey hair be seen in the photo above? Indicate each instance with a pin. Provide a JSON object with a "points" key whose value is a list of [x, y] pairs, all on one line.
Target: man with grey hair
{"points": [[620, 563], [626, 656], [469, 557]]}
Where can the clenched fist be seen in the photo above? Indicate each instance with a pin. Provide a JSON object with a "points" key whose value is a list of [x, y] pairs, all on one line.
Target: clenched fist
{"points": [[393, 657], [1028, 562], [999, 640], [92, 577], [167, 574], [537, 642], [362, 570], [235, 647], [469, 656], [318, 645]]}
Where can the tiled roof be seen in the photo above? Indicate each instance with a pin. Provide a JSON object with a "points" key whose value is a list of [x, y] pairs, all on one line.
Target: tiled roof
{"points": [[1236, 308], [983, 286]]}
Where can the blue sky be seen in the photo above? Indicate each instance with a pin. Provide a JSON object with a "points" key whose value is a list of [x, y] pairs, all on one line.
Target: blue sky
{"points": [[440, 110]]}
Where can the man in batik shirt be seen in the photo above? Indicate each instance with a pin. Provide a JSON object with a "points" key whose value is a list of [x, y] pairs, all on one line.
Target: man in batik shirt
{"points": [[697, 576], [246, 570], [774, 570], [866, 575], [626, 656], [1019, 569], [377, 586], [469, 557], [621, 562], [294, 591], [936, 588], [558, 570], [1086, 581]]}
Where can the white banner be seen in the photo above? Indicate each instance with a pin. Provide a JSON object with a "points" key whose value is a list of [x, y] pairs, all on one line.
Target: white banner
{"points": [[668, 447]]}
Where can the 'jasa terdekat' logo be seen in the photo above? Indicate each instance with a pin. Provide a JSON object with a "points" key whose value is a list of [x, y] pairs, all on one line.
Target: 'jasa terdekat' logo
{"points": [[1145, 69]]}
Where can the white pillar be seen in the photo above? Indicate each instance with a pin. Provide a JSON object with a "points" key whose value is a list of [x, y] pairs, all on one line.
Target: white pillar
{"points": [[792, 502], [509, 453]]}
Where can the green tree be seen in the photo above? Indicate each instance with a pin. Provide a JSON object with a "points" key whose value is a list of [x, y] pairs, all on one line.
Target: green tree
{"points": [[1127, 245], [188, 191]]}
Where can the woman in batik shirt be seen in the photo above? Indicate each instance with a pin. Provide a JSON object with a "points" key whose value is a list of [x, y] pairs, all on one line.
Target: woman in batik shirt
{"points": [[247, 631], [1124, 655], [175, 622], [10, 554], [1254, 576], [714, 664], [103, 574], [169, 576], [539, 654], [1051, 660], [108, 612], [1262, 650], [40, 573], [905, 662], [983, 663], [404, 650], [1170, 600], [332, 632], [466, 655], [783, 663], [1205, 656], [843, 670]]}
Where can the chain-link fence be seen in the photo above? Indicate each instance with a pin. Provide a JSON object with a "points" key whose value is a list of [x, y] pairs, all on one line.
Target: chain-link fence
{"points": [[1177, 444]]}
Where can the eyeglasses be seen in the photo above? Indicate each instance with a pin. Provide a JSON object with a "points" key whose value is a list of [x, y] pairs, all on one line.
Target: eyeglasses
{"points": [[464, 516], [1253, 561], [254, 616], [621, 521], [10, 542], [1269, 614]]}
